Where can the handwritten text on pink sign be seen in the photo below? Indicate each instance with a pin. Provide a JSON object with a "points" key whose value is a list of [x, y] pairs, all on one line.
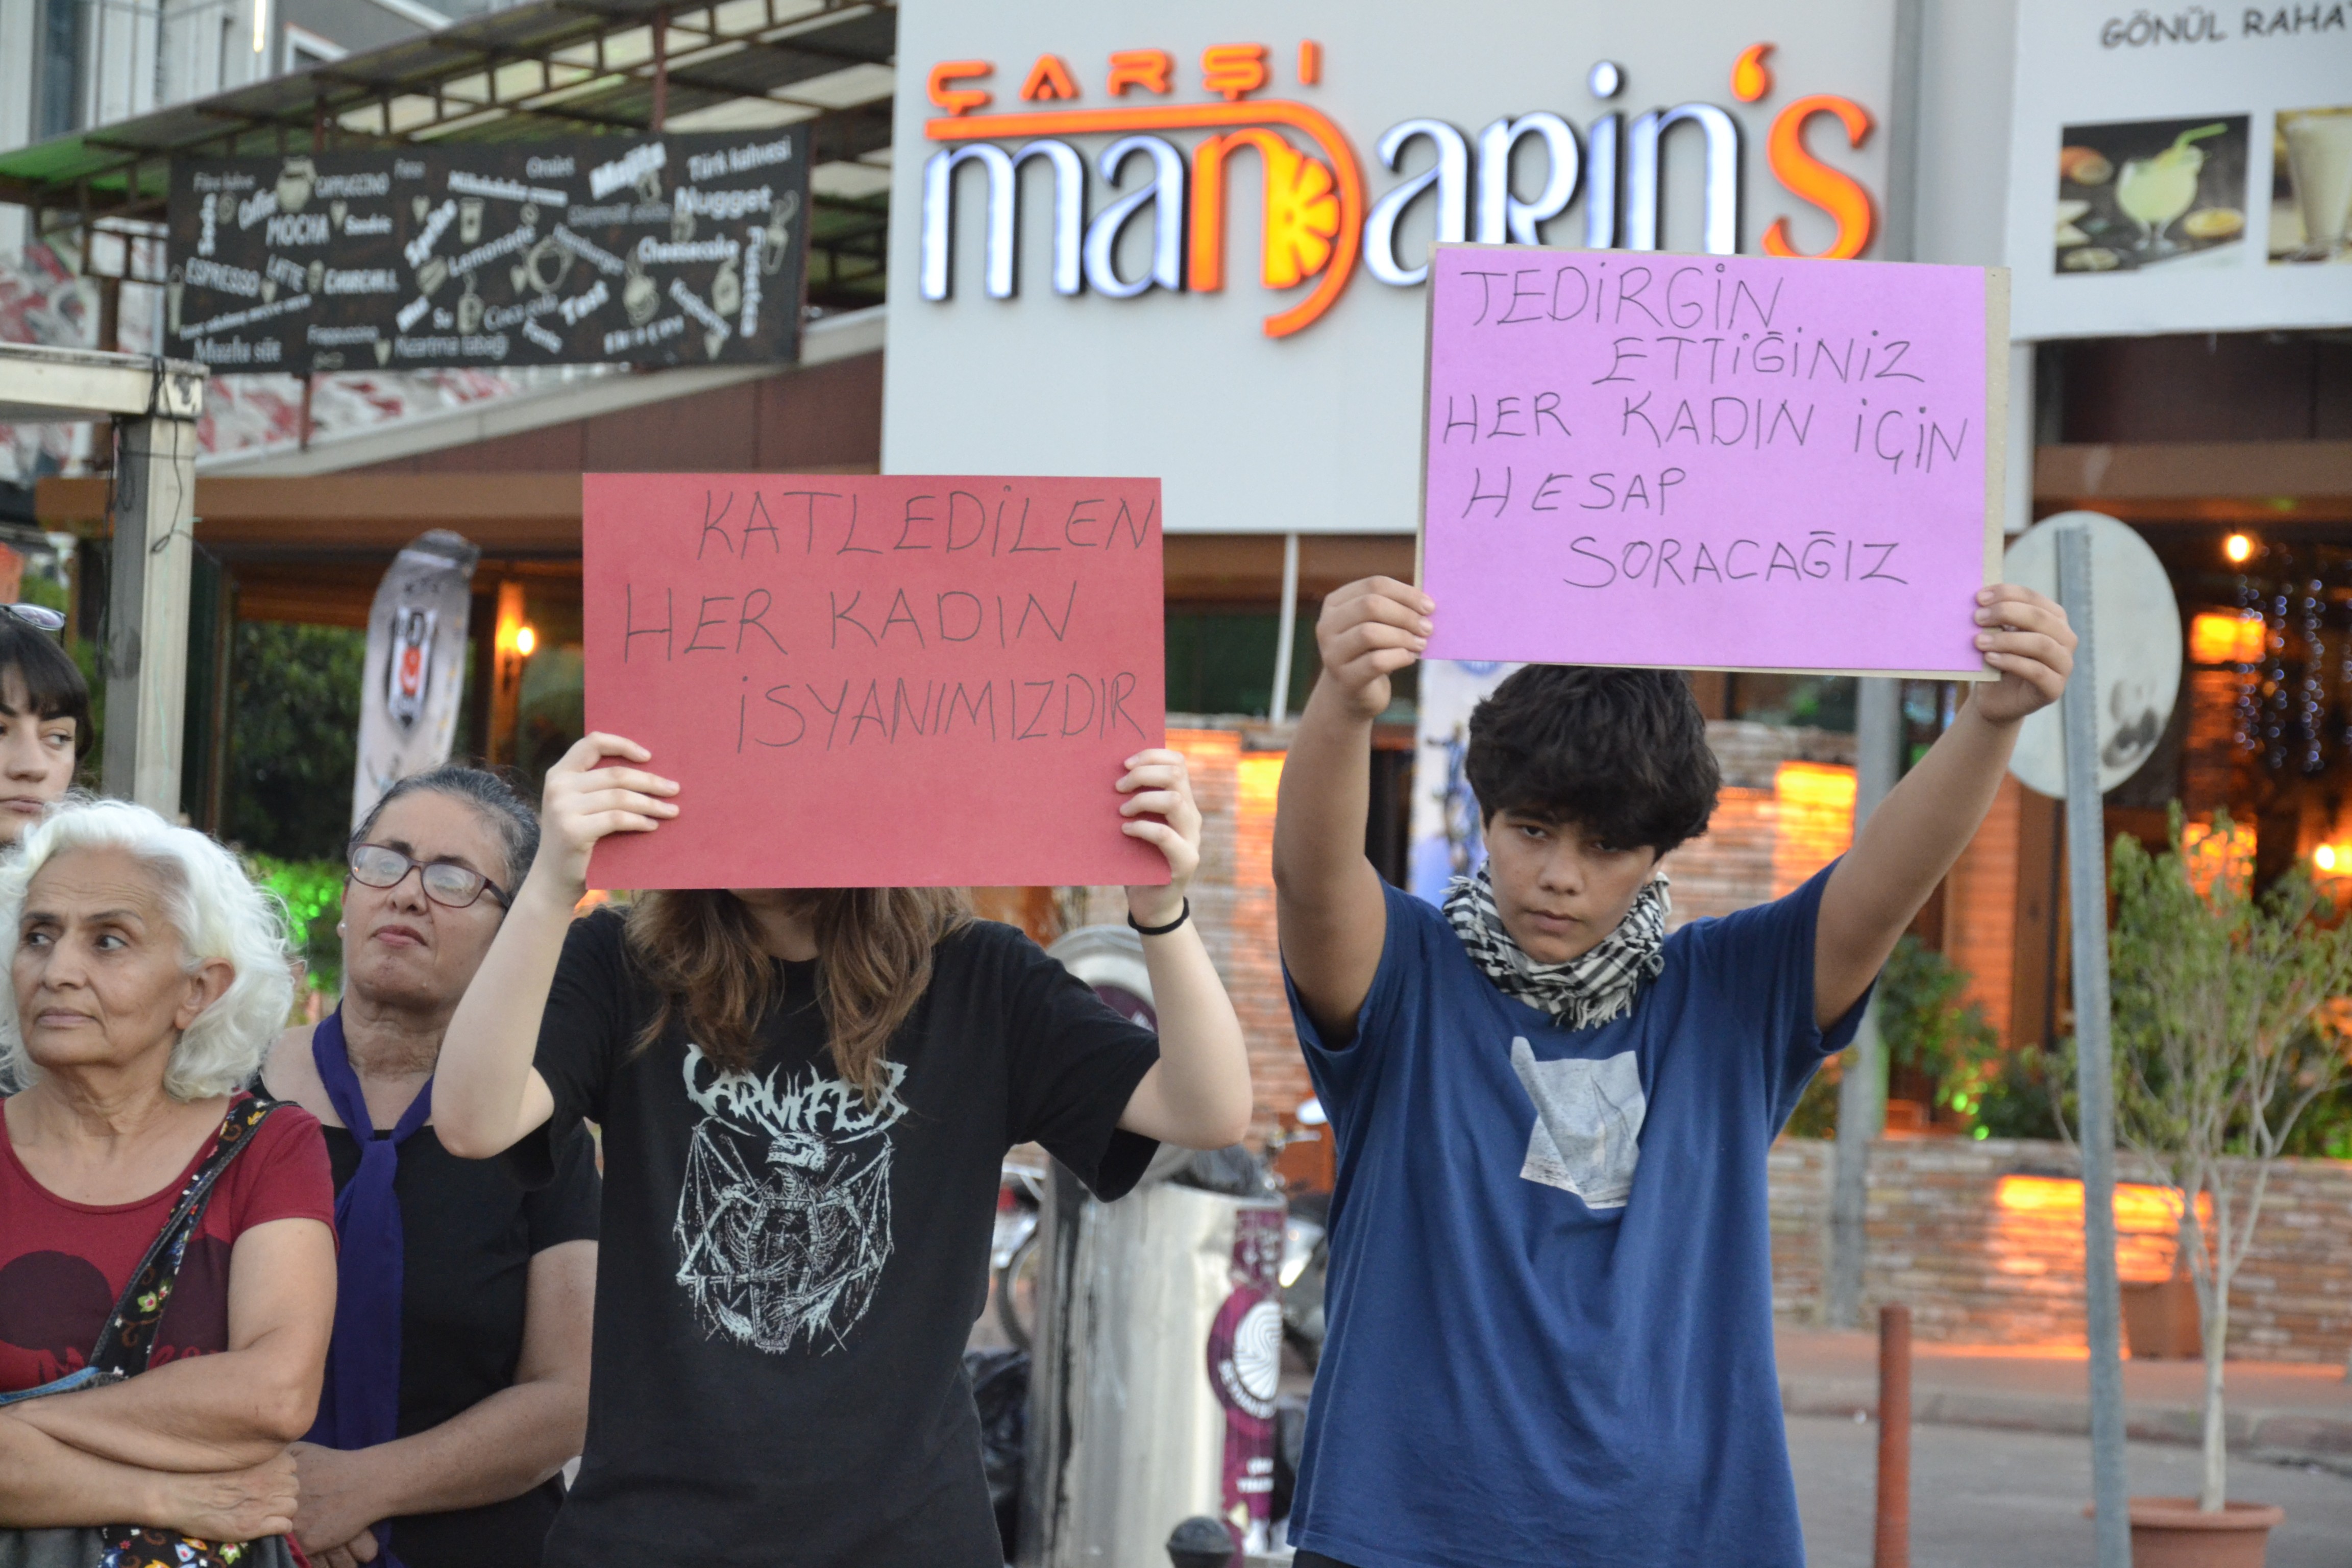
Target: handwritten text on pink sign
{"points": [[865, 681], [1705, 461]]}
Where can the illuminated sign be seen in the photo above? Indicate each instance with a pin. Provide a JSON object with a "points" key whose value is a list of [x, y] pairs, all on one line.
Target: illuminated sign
{"points": [[1318, 220]]}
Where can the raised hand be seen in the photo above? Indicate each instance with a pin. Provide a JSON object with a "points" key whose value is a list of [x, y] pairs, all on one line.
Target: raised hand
{"points": [[1160, 811], [2024, 635], [228, 1505], [586, 800], [1367, 631]]}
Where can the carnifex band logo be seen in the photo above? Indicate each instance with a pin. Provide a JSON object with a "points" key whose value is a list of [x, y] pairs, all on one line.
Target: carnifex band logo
{"points": [[1318, 220]]}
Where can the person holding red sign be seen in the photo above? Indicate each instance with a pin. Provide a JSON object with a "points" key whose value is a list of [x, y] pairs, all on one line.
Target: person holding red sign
{"points": [[1550, 1311], [806, 1097]]}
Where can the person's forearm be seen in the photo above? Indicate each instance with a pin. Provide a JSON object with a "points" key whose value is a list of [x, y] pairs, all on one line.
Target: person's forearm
{"points": [[500, 1449], [1204, 1076], [1323, 803], [481, 1081], [201, 1413], [46, 1484], [1919, 830]]}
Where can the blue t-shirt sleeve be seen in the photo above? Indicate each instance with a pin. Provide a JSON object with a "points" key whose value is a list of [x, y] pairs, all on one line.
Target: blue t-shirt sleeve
{"points": [[1762, 959], [1339, 1070]]}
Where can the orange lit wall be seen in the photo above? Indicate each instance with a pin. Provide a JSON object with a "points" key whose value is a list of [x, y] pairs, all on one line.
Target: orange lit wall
{"points": [[1980, 906], [1232, 898], [1812, 820], [2038, 1227]]}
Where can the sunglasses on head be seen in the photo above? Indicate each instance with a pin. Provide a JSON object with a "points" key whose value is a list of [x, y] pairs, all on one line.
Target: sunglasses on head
{"points": [[451, 886], [39, 617]]}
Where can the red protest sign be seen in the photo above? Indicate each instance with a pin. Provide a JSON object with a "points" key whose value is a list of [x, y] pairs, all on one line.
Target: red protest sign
{"points": [[863, 681]]}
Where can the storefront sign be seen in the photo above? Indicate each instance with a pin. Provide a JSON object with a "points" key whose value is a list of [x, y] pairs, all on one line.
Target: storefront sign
{"points": [[1738, 463], [643, 250], [877, 682], [1200, 253], [2184, 169]]}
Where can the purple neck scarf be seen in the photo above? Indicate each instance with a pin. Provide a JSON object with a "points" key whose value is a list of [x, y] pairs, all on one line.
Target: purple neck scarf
{"points": [[358, 1407]]}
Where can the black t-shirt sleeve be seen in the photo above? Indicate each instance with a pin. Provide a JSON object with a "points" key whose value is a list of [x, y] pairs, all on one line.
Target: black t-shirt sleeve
{"points": [[1072, 1064], [587, 1027], [567, 1208]]}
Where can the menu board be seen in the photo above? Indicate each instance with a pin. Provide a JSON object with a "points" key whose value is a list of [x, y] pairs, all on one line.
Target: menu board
{"points": [[2186, 171], [654, 250]]}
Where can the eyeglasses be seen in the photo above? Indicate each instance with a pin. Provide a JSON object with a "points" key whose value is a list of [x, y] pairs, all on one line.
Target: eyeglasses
{"points": [[451, 886], [37, 615]]}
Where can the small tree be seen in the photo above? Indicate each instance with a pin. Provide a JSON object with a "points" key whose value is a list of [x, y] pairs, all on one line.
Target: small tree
{"points": [[2220, 1046]]}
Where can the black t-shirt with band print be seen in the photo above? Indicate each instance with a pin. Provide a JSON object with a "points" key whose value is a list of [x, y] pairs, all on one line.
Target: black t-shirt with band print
{"points": [[789, 1273]]}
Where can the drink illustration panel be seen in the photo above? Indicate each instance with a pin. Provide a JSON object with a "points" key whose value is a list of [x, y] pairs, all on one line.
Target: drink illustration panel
{"points": [[2145, 194], [2311, 185]]}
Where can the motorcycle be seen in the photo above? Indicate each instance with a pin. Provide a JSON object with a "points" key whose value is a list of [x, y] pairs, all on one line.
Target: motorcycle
{"points": [[1014, 1252]]}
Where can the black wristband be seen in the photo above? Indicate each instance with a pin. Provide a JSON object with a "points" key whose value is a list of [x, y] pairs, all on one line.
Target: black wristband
{"points": [[1161, 931]]}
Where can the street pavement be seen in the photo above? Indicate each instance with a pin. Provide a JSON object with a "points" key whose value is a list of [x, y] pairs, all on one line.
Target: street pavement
{"points": [[1988, 1499], [2291, 1411]]}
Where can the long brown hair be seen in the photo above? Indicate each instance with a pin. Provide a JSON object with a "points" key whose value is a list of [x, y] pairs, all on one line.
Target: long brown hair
{"points": [[701, 949]]}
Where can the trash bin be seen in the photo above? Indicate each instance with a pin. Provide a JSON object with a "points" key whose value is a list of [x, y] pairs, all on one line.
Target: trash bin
{"points": [[1159, 1348], [1176, 1322]]}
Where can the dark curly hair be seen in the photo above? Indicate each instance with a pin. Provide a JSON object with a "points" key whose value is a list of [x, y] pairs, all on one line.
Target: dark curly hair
{"points": [[1623, 753]]}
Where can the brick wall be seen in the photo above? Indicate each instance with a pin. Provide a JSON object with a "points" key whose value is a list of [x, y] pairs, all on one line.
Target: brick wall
{"points": [[1980, 906], [1975, 1270]]}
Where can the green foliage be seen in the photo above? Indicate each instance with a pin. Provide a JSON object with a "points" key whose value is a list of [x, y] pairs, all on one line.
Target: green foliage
{"points": [[313, 891], [1816, 1113], [2220, 1047], [1929, 1023], [2015, 1102], [294, 740], [2220, 1042]]}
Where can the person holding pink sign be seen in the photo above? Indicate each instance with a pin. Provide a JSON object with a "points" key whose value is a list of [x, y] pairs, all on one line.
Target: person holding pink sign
{"points": [[806, 1097], [1550, 1304]]}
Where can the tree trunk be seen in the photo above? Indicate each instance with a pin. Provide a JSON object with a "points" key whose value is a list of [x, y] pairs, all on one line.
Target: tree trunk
{"points": [[2216, 1314]]}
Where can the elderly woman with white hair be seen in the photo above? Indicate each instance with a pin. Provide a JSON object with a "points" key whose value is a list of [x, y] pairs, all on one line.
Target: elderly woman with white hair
{"points": [[167, 1260]]}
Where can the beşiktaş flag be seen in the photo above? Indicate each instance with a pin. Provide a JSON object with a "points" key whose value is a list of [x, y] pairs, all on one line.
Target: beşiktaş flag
{"points": [[416, 665]]}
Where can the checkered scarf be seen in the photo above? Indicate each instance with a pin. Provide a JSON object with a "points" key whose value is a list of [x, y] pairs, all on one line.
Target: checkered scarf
{"points": [[1590, 989]]}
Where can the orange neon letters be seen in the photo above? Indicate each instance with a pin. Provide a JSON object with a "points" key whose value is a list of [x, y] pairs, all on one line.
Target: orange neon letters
{"points": [[958, 100], [1233, 69], [1310, 62], [1301, 212], [1833, 191], [1048, 79], [1752, 79], [1147, 68]]}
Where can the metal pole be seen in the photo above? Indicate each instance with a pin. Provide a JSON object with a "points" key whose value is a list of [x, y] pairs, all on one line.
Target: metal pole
{"points": [[2087, 908], [1285, 630], [1899, 237], [1878, 744], [1892, 1548], [661, 71], [147, 613]]}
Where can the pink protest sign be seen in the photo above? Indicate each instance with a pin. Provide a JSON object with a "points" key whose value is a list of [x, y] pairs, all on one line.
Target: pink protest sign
{"points": [[860, 681], [1712, 462]]}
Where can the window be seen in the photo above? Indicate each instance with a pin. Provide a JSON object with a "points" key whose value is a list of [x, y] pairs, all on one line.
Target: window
{"points": [[305, 48], [56, 89]]}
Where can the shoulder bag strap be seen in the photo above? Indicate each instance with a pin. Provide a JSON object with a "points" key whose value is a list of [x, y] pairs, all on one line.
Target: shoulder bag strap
{"points": [[124, 1345]]}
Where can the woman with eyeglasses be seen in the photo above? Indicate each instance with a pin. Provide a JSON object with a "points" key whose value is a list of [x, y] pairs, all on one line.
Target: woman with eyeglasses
{"points": [[45, 728], [457, 1379]]}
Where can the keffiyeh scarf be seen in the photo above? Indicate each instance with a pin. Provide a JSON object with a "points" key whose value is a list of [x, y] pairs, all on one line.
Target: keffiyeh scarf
{"points": [[1590, 989]]}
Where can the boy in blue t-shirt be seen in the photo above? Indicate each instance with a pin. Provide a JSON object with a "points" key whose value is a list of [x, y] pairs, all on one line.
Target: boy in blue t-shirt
{"points": [[1550, 1302]]}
